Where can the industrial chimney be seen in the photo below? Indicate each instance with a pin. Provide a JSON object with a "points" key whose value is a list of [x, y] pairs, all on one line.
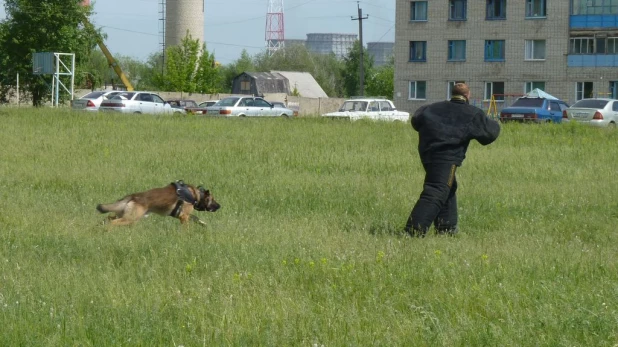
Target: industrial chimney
{"points": [[183, 15]]}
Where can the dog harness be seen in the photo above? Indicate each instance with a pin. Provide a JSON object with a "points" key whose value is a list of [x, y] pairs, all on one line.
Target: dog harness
{"points": [[184, 194]]}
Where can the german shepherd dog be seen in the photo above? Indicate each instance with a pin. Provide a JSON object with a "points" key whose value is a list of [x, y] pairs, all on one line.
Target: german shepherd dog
{"points": [[177, 200]]}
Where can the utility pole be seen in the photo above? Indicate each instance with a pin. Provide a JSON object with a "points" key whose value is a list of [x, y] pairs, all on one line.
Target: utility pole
{"points": [[360, 36]]}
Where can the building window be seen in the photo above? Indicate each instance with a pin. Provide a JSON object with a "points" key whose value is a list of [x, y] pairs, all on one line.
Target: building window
{"points": [[245, 87], [495, 89], [581, 45], [535, 8], [612, 45], [418, 90], [494, 50], [418, 10], [457, 9], [529, 86], [591, 45], [449, 88], [496, 9], [418, 50], [583, 90], [535, 50], [584, 7], [613, 90], [456, 50]]}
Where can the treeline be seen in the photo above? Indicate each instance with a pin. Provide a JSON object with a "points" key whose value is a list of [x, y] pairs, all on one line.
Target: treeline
{"points": [[47, 26]]}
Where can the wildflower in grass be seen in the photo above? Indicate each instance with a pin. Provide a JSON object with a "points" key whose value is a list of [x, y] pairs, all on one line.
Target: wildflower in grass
{"points": [[324, 261], [379, 257], [438, 253], [311, 264], [284, 262], [485, 258], [296, 261]]}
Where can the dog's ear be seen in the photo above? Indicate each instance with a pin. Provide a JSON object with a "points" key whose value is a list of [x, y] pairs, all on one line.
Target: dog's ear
{"points": [[204, 191]]}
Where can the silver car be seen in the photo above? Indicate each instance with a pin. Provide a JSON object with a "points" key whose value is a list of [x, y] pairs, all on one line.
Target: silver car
{"points": [[92, 101], [137, 102], [246, 106], [600, 112]]}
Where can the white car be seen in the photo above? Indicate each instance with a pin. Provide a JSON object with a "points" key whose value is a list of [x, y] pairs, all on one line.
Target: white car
{"points": [[247, 106], [138, 102], [374, 109], [599, 112], [92, 101]]}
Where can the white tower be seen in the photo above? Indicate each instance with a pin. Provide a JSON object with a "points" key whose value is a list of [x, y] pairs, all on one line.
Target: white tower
{"points": [[182, 16]]}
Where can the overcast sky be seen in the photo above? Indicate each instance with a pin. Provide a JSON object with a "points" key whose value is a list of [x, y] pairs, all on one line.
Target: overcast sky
{"points": [[134, 26]]}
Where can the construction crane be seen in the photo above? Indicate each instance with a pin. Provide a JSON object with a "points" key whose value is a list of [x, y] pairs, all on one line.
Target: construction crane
{"points": [[108, 55]]}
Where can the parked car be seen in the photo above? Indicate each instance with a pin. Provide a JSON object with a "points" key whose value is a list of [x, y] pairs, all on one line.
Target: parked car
{"points": [[207, 103], [185, 105], [369, 108], [247, 106], [598, 112], [545, 108], [92, 101], [201, 107], [278, 104], [137, 102]]}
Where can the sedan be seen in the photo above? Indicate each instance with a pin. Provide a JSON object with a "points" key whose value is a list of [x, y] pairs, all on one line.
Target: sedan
{"points": [[201, 107], [92, 101], [534, 109], [598, 112], [137, 102], [246, 106]]}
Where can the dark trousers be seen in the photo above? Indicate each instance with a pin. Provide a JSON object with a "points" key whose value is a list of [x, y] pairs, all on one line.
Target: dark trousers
{"points": [[437, 203]]}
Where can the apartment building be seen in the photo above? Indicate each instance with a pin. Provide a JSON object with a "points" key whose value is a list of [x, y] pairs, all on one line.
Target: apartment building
{"points": [[505, 48]]}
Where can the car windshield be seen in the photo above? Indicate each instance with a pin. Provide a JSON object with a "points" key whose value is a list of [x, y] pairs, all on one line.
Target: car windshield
{"points": [[528, 102], [124, 96], [354, 106], [93, 95], [227, 102], [590, 103]]}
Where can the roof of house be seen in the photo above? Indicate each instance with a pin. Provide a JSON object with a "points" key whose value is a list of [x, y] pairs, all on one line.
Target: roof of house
{"points": [[304, 83]]}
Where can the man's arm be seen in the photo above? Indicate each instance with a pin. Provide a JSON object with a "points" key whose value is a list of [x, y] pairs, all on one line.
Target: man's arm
{"points": [[485, 130], [416, 119]]}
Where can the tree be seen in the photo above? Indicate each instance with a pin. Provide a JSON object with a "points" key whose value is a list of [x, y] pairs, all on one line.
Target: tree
{"points": [[381, 81], [40, 26], [181, 65], [325, 68], [208, 75], [350, 72], [188, 67], [228, 72]]}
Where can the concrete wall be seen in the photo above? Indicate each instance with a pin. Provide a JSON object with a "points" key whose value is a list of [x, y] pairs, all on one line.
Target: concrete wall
{"points": [[307, 107]]}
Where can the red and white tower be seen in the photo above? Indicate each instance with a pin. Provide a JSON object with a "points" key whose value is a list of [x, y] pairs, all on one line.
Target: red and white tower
{"points": [[274, 26]]}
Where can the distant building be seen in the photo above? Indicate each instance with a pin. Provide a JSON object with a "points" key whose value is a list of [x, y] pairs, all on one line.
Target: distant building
{"points": [[326, 43], [260, 83], [285, 82], [568, 48], [293, 42], [382, 52], [303, 83]]}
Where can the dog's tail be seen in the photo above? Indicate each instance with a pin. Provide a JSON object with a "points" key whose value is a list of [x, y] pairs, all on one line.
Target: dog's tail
{"points": [[116, 207]]}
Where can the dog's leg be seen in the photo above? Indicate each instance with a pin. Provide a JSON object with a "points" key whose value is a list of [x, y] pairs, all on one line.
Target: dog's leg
{"points": [[197, 220], [131, 214]]}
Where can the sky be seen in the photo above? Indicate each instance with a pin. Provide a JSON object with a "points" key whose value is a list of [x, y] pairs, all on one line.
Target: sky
{"points": [[134, 27]]}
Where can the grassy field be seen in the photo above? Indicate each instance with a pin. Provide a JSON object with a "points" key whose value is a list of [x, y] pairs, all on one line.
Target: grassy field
{"points": [[306, 249]]}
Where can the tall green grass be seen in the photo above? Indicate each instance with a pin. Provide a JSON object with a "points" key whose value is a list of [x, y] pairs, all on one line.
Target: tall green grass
{"points": [[307, 249]]}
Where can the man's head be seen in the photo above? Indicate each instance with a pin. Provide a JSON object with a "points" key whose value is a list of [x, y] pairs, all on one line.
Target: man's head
{"points": [[461, 89]]}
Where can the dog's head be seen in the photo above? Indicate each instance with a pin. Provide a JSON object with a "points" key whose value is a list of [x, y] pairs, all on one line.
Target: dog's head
{"points": [[206, 201]]}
